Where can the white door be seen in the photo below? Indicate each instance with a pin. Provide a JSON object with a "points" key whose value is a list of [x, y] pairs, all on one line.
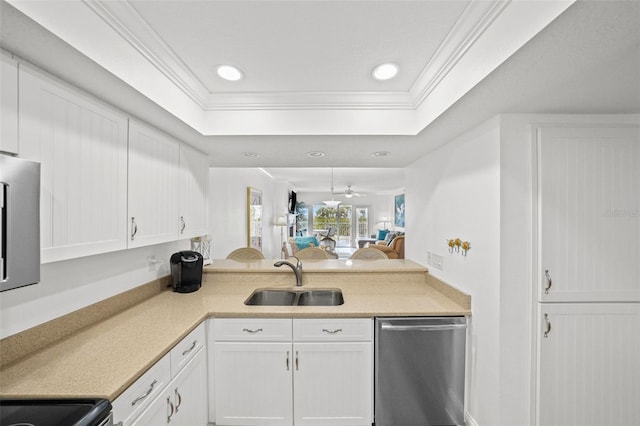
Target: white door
{"points": [[82, 146], [253, 383], [588, 366], [154, 160], [194, 183], [589, 209], [333, 383]]}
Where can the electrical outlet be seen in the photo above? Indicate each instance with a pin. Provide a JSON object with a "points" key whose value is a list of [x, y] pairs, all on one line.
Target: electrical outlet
{"points": [[151, 263], [436, 261]]}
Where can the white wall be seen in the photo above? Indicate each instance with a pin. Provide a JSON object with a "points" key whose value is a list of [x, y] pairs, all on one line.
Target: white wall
{"points": [[73, 284], [228, 210], [455, 192]]}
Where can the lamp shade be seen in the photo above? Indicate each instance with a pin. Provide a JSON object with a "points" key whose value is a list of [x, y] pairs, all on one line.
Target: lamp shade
{"points": [[281, 221]]}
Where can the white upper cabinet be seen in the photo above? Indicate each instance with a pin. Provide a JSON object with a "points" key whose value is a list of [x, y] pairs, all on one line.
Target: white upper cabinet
{"points": [[194, 182], [82, 146], [154, 179], [8, 104], [588, 209]]}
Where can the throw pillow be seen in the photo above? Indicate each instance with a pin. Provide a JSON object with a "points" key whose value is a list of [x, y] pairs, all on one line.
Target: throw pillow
{"points": [[382, 234], [304, 242]]}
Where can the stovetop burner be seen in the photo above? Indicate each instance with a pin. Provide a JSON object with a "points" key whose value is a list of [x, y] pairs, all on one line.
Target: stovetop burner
{"points": [[54, 412]]}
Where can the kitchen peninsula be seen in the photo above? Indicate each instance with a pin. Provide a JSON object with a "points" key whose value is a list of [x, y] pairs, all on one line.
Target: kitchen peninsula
{"points": [[105, 358]]}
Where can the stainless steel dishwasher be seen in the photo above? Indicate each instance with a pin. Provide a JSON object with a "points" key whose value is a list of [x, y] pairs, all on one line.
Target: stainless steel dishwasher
{"points": [[419, 371]]}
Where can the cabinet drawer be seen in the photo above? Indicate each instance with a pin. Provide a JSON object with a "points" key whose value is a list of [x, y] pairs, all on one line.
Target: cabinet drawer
{"points": [[186, 349], [335, 330], [251, 329], [144, 390]]}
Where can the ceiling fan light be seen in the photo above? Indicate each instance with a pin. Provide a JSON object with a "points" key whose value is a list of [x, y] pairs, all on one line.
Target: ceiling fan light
{"points": [[332, 203], [348, 195]]}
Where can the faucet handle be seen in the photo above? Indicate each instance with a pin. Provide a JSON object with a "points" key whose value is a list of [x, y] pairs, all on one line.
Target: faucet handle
{"points": [[298, 262]]}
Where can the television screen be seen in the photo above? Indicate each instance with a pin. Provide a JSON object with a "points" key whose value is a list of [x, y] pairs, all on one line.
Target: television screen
{"points": [[292, 202]]}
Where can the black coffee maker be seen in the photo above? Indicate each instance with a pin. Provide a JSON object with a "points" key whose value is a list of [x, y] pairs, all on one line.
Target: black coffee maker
{"points": [[186, 271]]}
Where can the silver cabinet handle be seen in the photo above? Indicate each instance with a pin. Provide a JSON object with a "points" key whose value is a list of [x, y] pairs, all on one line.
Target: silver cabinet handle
{"points": [[146, 394], [297, 361], [549, 282], [255, 330], [193, 345], [287, 361], [337, 330], [178, 399], [184, 224], [134, 228], [548, 330], [172, 410]]}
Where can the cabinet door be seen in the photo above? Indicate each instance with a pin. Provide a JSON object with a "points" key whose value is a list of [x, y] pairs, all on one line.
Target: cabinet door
{"points": [[589, 205], [190, 393], [333, 383], [194, 184], [253, 383], [153, 186], [159, 412], [588, 371], [82, 147], [8, 104], [184, 401]]}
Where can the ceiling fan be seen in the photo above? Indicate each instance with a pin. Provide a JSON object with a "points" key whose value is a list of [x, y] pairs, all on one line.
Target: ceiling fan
{"points": [[350, 193]]}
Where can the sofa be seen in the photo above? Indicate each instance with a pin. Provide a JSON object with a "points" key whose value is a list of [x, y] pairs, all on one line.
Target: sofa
{"points": [[393, 249]]}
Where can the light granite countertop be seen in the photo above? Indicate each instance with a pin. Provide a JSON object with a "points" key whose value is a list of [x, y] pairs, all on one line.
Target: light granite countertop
{"points": [[102, 360]]}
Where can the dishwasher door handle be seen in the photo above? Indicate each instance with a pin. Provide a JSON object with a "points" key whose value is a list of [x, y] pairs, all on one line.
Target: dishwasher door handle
{"points": [[421, 327]]}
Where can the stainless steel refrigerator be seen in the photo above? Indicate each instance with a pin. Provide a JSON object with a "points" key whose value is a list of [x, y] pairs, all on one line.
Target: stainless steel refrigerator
{"points": [[19, 222], [419, 371]]}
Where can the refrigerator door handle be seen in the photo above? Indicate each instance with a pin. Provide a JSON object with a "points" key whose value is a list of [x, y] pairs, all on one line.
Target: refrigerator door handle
{"points": [[4, 229]]}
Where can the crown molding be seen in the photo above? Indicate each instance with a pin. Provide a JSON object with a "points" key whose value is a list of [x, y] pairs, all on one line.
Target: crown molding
{"points": [[310, 101], [124, 19], [473, 22]]}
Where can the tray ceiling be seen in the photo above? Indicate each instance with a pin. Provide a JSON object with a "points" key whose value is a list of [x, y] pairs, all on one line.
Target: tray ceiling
{"points": [[307, 64]]}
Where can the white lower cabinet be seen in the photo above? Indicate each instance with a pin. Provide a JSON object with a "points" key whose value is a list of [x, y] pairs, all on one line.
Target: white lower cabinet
{"points": [[588, 369], [292, 372], [184, 402], [173, 391], [253, 383]]}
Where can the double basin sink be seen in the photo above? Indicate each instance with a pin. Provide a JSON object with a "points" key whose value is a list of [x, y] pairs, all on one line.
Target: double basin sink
{"points": [[295, 297]]}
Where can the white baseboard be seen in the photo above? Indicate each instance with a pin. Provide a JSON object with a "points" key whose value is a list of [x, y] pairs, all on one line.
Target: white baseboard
{"points": [[470, 421]]}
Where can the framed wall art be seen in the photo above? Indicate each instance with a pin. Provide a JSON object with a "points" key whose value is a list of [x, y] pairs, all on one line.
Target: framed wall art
{"points": [[399, 210], [254, 218]]}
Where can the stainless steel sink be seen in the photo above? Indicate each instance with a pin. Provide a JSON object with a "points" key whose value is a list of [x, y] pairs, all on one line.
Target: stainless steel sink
{"points": [[330, 297], [272, 297], [295, 297]]}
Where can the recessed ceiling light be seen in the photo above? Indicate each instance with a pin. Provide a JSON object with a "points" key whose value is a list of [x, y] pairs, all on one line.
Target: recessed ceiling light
{"points": [[380, 154], [251, 154], [229, 72], [315, 154], [385, 71]]}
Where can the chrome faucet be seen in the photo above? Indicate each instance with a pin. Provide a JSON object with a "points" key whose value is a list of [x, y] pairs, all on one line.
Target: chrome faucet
{"points": [[297, 268]]}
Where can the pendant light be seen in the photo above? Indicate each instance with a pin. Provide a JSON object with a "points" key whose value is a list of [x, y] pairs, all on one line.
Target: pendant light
{"points": [[332, 203]]}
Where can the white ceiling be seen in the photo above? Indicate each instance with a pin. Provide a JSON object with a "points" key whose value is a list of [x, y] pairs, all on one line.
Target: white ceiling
{"points": [[364, 180], [308, 64]]}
